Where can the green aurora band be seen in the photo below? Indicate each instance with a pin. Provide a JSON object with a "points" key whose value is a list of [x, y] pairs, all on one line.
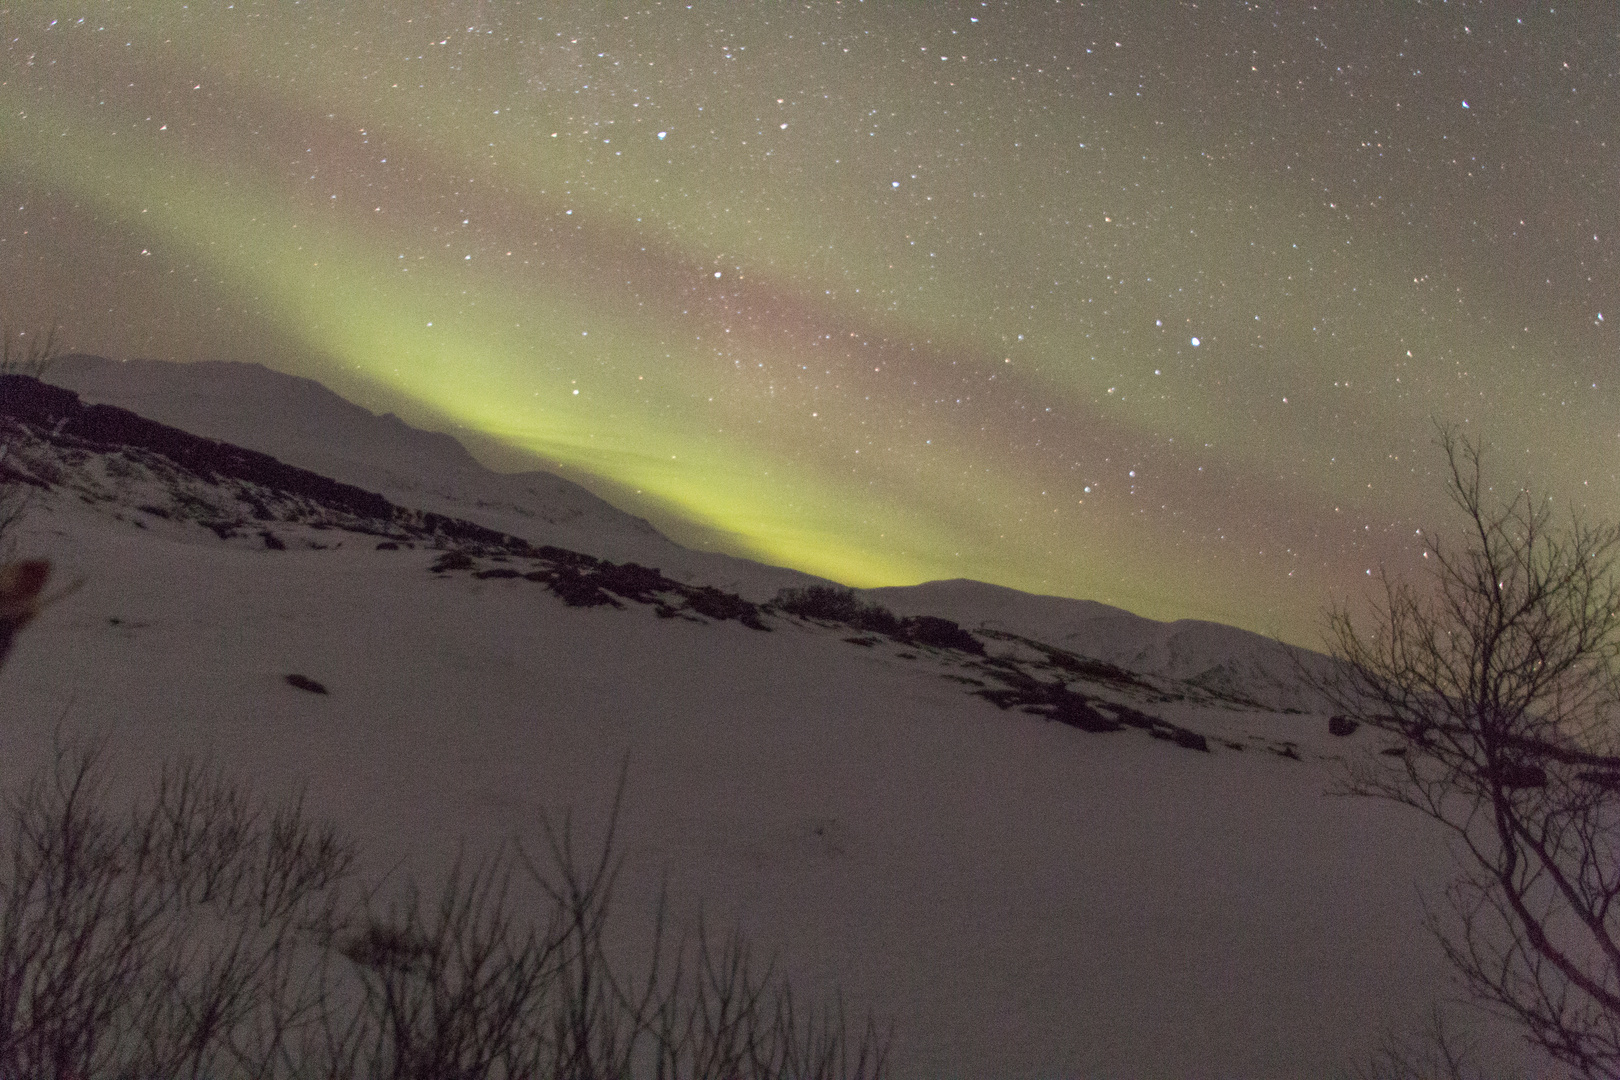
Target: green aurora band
{"points": [[927, 312]]}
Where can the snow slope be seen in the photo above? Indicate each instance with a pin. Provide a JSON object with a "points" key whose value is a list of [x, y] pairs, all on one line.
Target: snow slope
{"points": [[303, 423], [1220, 658], [1024, 898]]}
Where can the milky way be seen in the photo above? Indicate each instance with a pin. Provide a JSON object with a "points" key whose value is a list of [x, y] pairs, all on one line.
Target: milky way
{"points": [[1147, 303]]}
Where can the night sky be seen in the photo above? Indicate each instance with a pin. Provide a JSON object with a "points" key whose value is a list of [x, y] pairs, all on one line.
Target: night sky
{"points": [[1149, 303]]}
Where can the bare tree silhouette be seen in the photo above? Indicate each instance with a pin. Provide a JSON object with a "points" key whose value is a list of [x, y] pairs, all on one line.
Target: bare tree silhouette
{"points": [[1499, 679]]}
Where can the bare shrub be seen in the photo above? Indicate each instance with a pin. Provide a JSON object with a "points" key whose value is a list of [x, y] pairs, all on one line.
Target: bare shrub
{"points": [[831, 603], [159, 942], [27, 357], [14, 498], [200, 934], [1438, 1054], [696, 1011], [834, 604], [1499, 680], [30, 358]]}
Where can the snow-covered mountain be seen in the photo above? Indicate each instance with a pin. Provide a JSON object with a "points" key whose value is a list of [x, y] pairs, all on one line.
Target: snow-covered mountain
{"points": [[1047, 838], [1225, 660], [303, 423]]}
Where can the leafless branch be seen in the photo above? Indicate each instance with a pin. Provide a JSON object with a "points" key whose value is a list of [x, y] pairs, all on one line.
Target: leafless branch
{"points": [[1499, 680]]}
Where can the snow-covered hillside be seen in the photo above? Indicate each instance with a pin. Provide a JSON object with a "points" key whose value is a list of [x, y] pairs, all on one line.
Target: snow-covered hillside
{"points": [[938, 824], [305, 424], [1224, 659]]}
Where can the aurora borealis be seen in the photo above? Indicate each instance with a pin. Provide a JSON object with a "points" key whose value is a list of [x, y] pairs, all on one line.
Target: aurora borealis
{"points": [[1146, 303]]}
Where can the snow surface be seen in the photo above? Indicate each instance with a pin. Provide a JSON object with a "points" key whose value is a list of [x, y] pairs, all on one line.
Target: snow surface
{"points": [[1220, 658], [1024, 899], [303, 423]]}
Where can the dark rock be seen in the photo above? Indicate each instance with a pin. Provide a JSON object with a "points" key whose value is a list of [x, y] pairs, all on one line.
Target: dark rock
{"points": [[501, 572], [1075, 711], [451, 560], [714, 604], [578, 590], [1521, 774], [272, 541], [387, 545], [832, 604], [1052, 700], [1083, 666], [563, 555], [820, 602], [631, 581], [1189, 739], [303, 682], [940, 634], [1086, 667], [264, 483], [392, 950], [1342, 725], [454, 529], [106, 427]]}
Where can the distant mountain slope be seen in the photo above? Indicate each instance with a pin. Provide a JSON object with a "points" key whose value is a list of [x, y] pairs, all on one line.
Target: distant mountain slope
{"points": [[109, 454], [1223, 659], [144, 473], [303, 423], [1025, 899], [940, 823]]}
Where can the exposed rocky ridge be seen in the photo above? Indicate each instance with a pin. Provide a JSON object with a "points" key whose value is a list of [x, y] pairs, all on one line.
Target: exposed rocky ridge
{"points": [[144, 472], [141, 470], [100, 449], [301, 422], [1232, 665]]}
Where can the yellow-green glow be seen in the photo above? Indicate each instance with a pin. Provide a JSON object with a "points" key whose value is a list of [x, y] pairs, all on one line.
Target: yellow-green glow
{"points": [[886, 294], [321, 275]]}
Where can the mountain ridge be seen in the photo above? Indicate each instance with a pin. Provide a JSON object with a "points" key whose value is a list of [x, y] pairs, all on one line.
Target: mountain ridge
{"points": [[945, 830], [303, 422], [300, 421], [140, 470]]}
